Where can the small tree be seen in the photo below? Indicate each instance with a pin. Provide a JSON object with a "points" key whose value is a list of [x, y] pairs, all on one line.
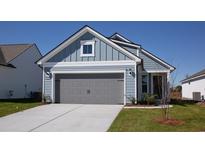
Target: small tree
{"points": [[165, 107]]}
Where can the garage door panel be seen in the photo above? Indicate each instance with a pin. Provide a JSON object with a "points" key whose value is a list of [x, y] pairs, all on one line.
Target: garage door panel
{"points": [[91, 88]]}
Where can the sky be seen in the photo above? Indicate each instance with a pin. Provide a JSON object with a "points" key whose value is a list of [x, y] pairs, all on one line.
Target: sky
{"points": [[181, 44]]}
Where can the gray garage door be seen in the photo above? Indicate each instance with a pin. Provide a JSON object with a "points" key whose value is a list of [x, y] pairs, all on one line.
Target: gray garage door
{"points": [[89, 88]]}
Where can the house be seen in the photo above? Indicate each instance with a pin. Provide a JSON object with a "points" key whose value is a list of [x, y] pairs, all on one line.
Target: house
{"points": [[19, 74], [91, 68], [193, 87]]}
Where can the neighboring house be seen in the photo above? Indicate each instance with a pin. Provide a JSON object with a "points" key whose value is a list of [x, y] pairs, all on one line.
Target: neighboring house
{"points": [[19, 74], [193, 87], [91, 68]]}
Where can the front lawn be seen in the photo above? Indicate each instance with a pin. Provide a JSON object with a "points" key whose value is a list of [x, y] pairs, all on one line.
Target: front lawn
{"points": [[11, 106], [143, 120]]}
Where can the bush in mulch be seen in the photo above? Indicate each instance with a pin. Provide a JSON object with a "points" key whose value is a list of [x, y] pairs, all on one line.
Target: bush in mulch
{"points": [[172, 122]]}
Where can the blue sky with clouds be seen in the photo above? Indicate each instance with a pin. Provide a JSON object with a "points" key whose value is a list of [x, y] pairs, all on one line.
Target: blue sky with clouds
{"points": [[181, 44]]}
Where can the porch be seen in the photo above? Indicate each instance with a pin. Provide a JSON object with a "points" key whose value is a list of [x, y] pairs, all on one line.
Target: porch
{"points": [[155, 83]]}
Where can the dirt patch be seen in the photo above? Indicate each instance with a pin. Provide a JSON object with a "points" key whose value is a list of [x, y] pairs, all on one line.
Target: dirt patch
{"points": [[172, 122], [202, 104]]}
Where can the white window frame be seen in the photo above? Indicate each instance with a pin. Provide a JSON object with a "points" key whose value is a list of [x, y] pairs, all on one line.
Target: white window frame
{"points": [[88, 42]]}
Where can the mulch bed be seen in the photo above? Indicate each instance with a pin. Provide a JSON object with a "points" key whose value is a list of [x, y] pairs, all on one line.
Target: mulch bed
{"points": [[172, 122], [140, 105], [202, 104]]}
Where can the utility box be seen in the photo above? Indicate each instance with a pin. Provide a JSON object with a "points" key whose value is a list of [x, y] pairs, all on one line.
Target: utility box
{"points": [[196, 96]]}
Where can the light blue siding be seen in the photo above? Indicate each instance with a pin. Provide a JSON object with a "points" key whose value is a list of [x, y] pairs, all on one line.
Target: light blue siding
{"points": [[47, 83], [115, 54], [109, 53], [103, 51], [130, 80], [132, 50], [150, 64]]}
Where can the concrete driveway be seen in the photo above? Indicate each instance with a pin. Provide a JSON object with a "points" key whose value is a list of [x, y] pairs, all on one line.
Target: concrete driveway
{"points": [[62, 117]]}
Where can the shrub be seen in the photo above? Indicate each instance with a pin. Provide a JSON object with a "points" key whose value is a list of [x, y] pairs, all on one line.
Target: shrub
{"points": [[149, 99], [132, 100]]}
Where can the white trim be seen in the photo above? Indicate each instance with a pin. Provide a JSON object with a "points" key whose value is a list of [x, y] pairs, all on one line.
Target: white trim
{"points": [[143, 50], [120, 36], [125, 87], [154, 57], [52, 89], [187, 80], [61, 47], [138, 52], [90, 63], [43, 84], [114, 45], [87, 42], [91, 72], [135, 81], [168, 84], [156, 71], [80, 33], [128, 44], [81, 72]]}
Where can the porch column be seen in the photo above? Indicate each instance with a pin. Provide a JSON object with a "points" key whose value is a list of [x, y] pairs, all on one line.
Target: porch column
{"points": [[43, 84], [168, 84], [136, 79]]}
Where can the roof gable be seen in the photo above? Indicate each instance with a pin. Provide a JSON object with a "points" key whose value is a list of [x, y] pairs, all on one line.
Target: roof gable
{"points": [[136, 46], [103, 51], [11, 51], [78, 34], [195, 76], [172, 68]]}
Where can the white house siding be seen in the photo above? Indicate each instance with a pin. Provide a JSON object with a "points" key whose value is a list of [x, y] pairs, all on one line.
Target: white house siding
{"points": [[194, 86], [26, 72]]}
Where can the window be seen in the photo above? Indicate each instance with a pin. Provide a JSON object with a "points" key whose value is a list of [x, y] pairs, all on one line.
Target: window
{"points": [[87, 48], [144, 84]]}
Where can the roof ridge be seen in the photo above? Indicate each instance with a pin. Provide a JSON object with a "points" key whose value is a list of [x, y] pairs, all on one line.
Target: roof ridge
{"points": [[21, 52], [16, 44], [123, 38], [131, 43], [195, 75], [86, 27]]}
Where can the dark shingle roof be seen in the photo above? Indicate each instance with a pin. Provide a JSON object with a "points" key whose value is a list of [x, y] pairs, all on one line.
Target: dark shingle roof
{"points": [[202, 72], [9, 52]]}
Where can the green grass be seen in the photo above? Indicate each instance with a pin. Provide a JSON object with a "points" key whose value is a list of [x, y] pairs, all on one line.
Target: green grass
{"points": [[11, 106], [142, 120]]}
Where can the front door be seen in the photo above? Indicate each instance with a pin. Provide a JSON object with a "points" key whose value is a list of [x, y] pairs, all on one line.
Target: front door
{"points": [[157, 86]]}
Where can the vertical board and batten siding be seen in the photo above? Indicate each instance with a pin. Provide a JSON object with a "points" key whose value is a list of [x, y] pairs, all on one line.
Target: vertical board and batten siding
{"points": [[103, 51], [130, 80]]}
